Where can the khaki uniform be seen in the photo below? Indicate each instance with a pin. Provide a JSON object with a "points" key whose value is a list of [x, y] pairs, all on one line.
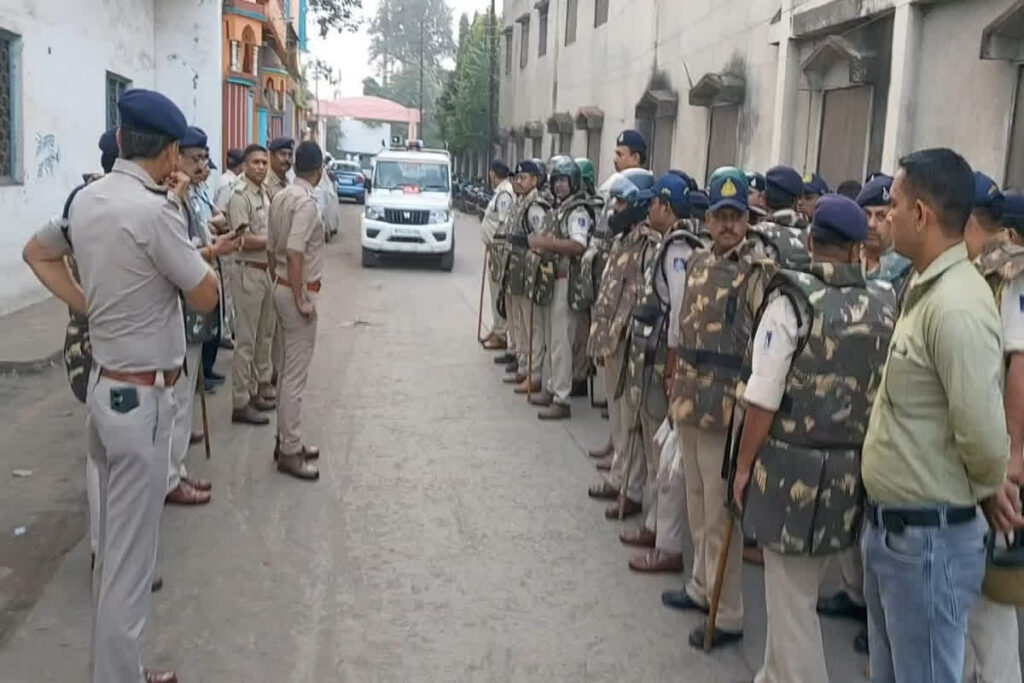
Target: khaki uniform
{"points": [[296, 226], [274, 184], [251, 363], [134, 260], [494, 225], [526, 217]]}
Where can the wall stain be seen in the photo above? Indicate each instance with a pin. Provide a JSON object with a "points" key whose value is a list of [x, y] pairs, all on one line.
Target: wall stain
{"points": [[47, 155]]}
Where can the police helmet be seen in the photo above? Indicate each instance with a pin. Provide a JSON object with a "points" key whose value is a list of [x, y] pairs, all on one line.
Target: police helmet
{"points": [[565, 166], [643, 180], [736, 174], [543, 178], [587, 170]]}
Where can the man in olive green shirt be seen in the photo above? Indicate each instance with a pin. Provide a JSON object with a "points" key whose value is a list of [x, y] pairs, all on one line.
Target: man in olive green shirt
{"points": [[937, 442]]}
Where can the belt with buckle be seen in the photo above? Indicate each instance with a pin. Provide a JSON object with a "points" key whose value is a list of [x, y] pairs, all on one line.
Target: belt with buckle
{"points": [[898, 519], [310, 286], [254, 264], [145, 378]]}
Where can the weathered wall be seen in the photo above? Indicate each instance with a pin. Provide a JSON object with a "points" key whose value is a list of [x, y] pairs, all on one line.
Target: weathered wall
{"points": [[66, 50]]}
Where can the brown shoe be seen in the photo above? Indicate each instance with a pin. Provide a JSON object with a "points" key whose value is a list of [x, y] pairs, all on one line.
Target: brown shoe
{"points": [[603, 452], [753, 555], [513, 379], [604, 465], [297, 466], [249, 415], [160, 676], [656, 562], [542, 398], [641, 537], [267, 392], [527, 387], [196, 437], [555, 411], [198, 484], [495, 343], [629, 509], [308, 452], [264, 405], [603, 491], [183, 494]]}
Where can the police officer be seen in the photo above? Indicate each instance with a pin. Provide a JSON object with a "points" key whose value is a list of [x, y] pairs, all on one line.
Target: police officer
{"points": [[527, 216], [654, 337], [814, 188], [783, 231], [880, 259], [558, 244], [281, 152], [723, 292], [756, 185], [817, 357], [630, 194], [493, 235], [131, 292], [992, 655], [296, 242], [581, 288], [251, 370]]}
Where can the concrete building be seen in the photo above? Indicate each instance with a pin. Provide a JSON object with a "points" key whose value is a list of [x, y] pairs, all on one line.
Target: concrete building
{"points": [[62, 67], [842, 87], [263, 92]]}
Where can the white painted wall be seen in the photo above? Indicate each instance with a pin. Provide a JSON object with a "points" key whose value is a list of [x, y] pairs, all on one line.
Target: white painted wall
{"points": [[66, 50], [360, 137]]}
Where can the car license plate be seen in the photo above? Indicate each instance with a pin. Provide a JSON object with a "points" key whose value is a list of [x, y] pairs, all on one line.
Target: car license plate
{"points": [[346, 181], [407, 232]]}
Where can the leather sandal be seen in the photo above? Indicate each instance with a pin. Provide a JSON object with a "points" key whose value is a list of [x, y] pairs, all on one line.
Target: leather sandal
{"points": [[603, 452], [183, 494], [555, 411], [297, 466], [495, 343], [603, 491], [640, 537], [604, 465], [542, 398], [629, 509], [719, 638], [198, 484], [526, 387], [656, 562], [196, 437], [160, 676], [513, 379]]}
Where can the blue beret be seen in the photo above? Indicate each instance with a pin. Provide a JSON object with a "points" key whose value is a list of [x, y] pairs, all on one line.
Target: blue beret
{"points": [[194, 137], [838, 220], [786, 180], [528, 166], [674, 190], [633, 139], [815, 184], [499, 167], [871, 176], [1013, 210], [209, 162], [986, 192], [235, 156], [147, 111], [756, 181], [690, 182], [876, 192], [725, 192], [108, 143], [284, 142], [699, 201]]}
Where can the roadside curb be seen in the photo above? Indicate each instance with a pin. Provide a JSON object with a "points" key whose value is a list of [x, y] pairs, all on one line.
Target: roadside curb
{"points": [[32, 367]]}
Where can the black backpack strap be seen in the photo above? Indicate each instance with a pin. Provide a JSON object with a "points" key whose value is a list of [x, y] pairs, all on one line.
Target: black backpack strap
{"points": [[65, 226]]}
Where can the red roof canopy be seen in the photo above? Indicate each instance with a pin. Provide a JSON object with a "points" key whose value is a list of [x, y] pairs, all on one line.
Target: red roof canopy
{"points": [[368, 108]]}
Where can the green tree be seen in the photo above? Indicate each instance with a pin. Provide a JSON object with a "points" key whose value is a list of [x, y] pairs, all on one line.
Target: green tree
{"points": [[372, 87], [339, 15], [464, 112]]}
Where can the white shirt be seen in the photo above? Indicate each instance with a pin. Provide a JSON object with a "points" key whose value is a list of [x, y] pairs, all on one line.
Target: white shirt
{"points": [[1012, 313], [579, 224], [535, 217], [497, 210], [775, 341], [677, 254], [225, 186]]}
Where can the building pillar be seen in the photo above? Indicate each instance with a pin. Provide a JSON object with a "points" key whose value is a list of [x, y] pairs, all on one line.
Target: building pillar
{"points": [[899, 133], [235, 64], [787, 86], [255, 60]]}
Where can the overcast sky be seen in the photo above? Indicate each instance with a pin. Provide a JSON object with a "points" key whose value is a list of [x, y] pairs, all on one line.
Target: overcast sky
{"points": [[351, 52]]}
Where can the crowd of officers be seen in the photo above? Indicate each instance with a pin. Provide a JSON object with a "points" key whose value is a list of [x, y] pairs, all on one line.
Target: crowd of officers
{"points": [[157, 273], [779, 375]]}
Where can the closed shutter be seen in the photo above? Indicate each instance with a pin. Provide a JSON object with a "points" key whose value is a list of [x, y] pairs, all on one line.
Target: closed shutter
{"points": [[722, 138], [661, 150], [594, 150], [845, 121]]}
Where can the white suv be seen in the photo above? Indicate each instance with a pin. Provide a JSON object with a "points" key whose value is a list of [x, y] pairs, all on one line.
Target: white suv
{"points": [[409, 206]]}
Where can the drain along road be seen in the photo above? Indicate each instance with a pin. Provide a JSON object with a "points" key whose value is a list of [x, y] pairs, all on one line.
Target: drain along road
{"points": [[449, 537]]}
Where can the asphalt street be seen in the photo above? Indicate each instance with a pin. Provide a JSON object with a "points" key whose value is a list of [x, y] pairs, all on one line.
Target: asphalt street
{"points": [[449, 538]]}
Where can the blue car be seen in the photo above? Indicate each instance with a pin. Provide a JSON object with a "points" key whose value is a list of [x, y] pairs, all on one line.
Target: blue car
{"points": [[350, 181]]}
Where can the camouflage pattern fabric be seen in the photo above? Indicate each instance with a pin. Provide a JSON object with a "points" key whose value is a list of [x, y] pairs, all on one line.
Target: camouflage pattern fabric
{"points": [[77, 347], [497, 260], [1000, 263], [620, 285], [515, 235], [199, 327], [785, 244], [806, 494], [541, 268], [585, 272], [715, 323]]}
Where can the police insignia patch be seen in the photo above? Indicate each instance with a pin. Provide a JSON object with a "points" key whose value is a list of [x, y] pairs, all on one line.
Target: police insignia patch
{"points": [[768, 339], [1021, 303], [679, 265], [729, 188]]}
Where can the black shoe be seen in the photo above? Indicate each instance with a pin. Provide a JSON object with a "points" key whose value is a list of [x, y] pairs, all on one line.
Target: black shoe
{"points": [[681, 600], [504, 359], [719, 639], [841, 605], [579, 388], [213, 376], [860, 641], [158, 583], [210, 387], [604, 414]]}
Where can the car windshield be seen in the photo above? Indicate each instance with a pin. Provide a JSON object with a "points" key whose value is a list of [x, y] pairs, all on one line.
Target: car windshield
{"points": [[429, 177], [349, 166]]}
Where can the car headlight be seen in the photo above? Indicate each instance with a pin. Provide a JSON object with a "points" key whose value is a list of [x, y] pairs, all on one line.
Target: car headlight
{"points": [[375, 213], [442, 216]]}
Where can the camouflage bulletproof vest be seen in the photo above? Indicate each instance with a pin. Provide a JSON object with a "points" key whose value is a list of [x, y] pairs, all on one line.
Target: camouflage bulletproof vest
{"points": [[648, 334], [583, 284], [543, 269], [516, 232], [620, 285], [498, 250], [806, 494], [715, 323], [1000, 263], [782, 244], [77, 347]]}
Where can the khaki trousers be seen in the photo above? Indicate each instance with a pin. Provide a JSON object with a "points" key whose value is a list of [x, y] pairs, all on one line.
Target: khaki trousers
{"points": [[627, 436], [511, 333], [667, 515], [580, 361], [499, 326], [184, 407], [991, 654], [851, 573], [298, 337], [255, 321], [521, 306], [793, 649], [559, 333], [702, 452]]}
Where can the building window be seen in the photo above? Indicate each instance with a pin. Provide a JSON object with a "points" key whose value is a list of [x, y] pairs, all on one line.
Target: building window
{"points": [[723, 136], [845, 125], [570, 21], [658, 131], [594, 149], [8, 107], [524, 44], [520, 149], [600, 12], [1015, 163], [542, 33], [565, 143], [116, 85], [508, 51]]}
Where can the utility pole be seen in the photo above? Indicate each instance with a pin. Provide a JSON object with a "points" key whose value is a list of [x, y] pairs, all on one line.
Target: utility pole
{"points": [[423, 19], [492, 59]]}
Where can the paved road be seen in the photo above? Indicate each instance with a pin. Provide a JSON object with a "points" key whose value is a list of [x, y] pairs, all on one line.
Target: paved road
{"points": [[449, 539]]}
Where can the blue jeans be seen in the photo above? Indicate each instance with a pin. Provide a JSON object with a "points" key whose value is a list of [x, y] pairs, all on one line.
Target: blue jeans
{"points": [[920, 585]]}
